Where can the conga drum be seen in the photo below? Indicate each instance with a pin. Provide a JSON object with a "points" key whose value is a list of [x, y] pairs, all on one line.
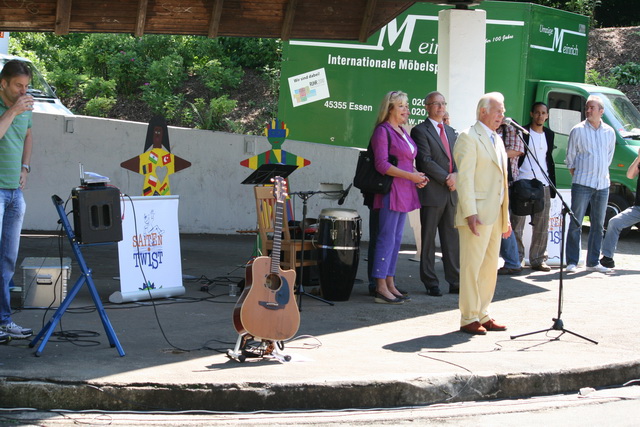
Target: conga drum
{"points": [[338, 246]]}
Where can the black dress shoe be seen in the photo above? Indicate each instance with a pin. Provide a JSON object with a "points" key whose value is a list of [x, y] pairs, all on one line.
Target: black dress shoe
{"points": [[381, 299], [402, 291], [454, 289], [434, 291]]}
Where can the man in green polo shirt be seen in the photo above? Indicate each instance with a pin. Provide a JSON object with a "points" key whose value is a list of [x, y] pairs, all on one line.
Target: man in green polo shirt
{"points": [[15, 157]]}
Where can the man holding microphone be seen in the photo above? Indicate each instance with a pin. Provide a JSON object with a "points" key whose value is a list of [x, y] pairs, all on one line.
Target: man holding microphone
{"points": [[15, 157]]}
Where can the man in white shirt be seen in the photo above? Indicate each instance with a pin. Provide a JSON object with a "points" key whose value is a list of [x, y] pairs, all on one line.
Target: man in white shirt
{"points": [[537, 163], [589, 154]]}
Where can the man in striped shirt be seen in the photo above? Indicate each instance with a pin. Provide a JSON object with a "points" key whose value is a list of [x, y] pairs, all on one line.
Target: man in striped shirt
{"points": [[589, 154], [15, 156]]}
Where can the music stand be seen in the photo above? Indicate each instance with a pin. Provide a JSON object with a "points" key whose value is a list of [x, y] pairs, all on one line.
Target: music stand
{"points": [[305, 195], [265, 173]]}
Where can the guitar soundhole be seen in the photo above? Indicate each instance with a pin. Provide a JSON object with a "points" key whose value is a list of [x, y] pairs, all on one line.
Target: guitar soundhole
{"points": [[273, 281]]}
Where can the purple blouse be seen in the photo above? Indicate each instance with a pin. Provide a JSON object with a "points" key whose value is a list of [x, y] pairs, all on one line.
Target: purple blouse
{"points": [[403, 196]]}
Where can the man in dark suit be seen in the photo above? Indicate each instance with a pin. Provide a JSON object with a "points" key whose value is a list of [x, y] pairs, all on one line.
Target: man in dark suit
{"points": [[435, 142]]}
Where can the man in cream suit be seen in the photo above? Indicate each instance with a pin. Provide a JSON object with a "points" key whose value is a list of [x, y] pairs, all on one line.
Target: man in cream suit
{"points": [[482, 215]]}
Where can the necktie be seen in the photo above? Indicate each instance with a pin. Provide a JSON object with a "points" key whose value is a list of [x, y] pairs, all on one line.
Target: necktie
{"points": [[445, 143]]}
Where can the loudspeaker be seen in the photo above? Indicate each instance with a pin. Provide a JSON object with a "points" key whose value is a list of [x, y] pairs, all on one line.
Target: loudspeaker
{"points": [[96, 214]]}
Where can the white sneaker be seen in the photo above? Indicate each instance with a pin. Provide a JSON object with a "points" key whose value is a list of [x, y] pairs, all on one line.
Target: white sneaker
{"points": [[571, 268], [599, 268], [15, 331]]}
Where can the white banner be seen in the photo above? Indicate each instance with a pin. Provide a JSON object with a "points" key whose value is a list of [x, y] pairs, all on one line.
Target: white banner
{"points": [[149, 253]]}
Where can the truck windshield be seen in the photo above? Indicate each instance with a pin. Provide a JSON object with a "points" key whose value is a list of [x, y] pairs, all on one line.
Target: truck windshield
{"points": [[39, 87], [623, 115]]}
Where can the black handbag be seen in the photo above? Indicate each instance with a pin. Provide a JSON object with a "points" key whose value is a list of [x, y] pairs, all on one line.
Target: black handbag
{"points": [[367, 178]]}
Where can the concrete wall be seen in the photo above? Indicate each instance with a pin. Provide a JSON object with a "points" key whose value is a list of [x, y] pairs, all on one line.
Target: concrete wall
{"points": [[212, 198]]}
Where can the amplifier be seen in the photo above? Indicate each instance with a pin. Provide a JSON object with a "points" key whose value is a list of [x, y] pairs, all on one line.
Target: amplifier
{"points": [[96, 214]]}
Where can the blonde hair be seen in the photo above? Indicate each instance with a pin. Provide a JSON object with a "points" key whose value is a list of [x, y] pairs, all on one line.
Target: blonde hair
{"points": [[389, 100], [485, 101]]}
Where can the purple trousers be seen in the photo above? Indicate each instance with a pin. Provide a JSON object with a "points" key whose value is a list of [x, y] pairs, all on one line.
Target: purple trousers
{"points": [[391, 227]]}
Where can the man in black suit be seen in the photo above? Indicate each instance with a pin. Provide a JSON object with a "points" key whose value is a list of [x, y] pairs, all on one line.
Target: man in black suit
{"points": [[435, 142]]}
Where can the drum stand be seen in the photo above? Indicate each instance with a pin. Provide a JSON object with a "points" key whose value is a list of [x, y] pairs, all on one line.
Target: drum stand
{"points": [[306, 195]]}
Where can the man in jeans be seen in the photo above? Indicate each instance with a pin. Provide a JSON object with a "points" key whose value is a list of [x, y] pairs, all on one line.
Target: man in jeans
{"points": [[589, 154], [624, 219], [15, 157]]}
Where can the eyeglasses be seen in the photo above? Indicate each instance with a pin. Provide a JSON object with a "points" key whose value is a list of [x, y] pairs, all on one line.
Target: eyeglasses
{"points": [[438, 104]]}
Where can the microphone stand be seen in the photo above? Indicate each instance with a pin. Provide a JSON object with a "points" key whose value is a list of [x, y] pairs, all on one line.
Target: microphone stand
{"points": [[558, 324], [306, 195]]}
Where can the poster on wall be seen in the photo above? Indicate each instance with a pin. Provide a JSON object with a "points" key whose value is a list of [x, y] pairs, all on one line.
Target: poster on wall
{"points": [[149, 252]]}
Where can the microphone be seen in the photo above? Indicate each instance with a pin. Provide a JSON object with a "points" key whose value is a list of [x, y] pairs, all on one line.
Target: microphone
{"points": [[509, 121], [344, 195]]}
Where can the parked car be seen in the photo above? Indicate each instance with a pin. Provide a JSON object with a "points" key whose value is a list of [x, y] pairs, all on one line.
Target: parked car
{"points": [[44, 95]]}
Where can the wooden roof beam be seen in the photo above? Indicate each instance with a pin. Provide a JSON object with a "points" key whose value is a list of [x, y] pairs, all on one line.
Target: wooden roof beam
{"points": [[216, 15], [289, 16], [367, 19], [142, 17], [63, 17]]}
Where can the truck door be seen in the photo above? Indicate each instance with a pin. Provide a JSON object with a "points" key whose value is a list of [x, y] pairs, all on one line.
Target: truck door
{"points": [[566, 109]]}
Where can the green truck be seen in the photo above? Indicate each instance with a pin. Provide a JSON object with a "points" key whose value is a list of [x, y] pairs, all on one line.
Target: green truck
{"points": [[330, 91]]}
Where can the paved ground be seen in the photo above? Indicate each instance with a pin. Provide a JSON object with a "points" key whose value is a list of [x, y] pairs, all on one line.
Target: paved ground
{"points": [[353, 354]]}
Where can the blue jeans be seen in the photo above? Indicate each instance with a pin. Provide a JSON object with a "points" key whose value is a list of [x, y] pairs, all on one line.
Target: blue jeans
{"points": [[624, 219], [581, 197], [12, 208], [509, 251]]}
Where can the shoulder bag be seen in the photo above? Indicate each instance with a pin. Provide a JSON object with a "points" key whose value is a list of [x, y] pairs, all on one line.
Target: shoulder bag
{"points": [[367, 178]]}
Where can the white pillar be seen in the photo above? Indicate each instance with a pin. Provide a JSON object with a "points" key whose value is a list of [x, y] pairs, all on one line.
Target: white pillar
{"points": [[461, 62]]}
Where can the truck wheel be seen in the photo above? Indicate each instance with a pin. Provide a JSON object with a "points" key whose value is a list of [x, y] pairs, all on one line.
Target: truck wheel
{"points": [[616, 204]]}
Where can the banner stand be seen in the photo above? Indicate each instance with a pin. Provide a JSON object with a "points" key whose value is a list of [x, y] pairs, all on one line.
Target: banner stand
{"points": [[149, 252]]}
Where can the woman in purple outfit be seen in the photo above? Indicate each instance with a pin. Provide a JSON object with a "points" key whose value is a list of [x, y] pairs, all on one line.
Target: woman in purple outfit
{"points": [[389, 138]]}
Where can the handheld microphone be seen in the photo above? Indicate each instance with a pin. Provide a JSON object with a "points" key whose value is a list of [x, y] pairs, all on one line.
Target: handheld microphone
{"points": [[509, 121], [344, 195]]}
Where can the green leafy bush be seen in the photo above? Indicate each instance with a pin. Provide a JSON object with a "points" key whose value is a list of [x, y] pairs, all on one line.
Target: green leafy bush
{"points": [[211, 116], [215, 75], [99, 87], [595, 78], [627, 74], [166, 74], [99, 107], [66, 82]]}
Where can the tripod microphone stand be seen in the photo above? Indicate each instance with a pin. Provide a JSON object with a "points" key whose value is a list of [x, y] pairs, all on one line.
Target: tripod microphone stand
{"points": [[558, 324]]}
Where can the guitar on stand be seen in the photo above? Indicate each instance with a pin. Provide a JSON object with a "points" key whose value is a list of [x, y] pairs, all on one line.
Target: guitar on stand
{"points": [[267, 309]]}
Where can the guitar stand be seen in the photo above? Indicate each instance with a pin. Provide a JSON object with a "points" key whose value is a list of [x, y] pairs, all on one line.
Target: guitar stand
{"points": [[85, 277], [265, 349]]}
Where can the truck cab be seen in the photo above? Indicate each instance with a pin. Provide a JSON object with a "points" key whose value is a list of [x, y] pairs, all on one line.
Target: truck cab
{"points": [[45, 97], [566, 103]]}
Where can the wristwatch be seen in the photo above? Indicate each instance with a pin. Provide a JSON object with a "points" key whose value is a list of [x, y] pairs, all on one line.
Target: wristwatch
{"points": [[27, 167]]}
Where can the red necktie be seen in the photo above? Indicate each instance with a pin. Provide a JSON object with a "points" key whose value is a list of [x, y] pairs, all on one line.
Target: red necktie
{"points": [[447, 149]]}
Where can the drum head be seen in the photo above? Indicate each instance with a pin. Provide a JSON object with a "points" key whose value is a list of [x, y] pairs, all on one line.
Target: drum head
{"points": [[338, 214]]}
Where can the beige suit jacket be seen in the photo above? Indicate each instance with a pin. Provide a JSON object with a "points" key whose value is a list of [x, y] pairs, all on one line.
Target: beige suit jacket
{"points": [[482, 177]]}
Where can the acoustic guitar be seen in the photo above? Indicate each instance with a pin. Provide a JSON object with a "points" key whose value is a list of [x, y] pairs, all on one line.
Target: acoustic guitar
{"points": [[267, 308]]}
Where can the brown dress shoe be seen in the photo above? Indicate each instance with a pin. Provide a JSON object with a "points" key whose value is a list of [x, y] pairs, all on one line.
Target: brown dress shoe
{"points": [[474, 328], [491, 325], [541, 267]]}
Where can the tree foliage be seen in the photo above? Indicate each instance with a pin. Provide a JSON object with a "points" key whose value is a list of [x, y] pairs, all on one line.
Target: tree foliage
{"points": [[91, 70]]}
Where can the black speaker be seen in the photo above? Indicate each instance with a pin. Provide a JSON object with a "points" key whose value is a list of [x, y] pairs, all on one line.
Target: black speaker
{"points": [[96, 214]]}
